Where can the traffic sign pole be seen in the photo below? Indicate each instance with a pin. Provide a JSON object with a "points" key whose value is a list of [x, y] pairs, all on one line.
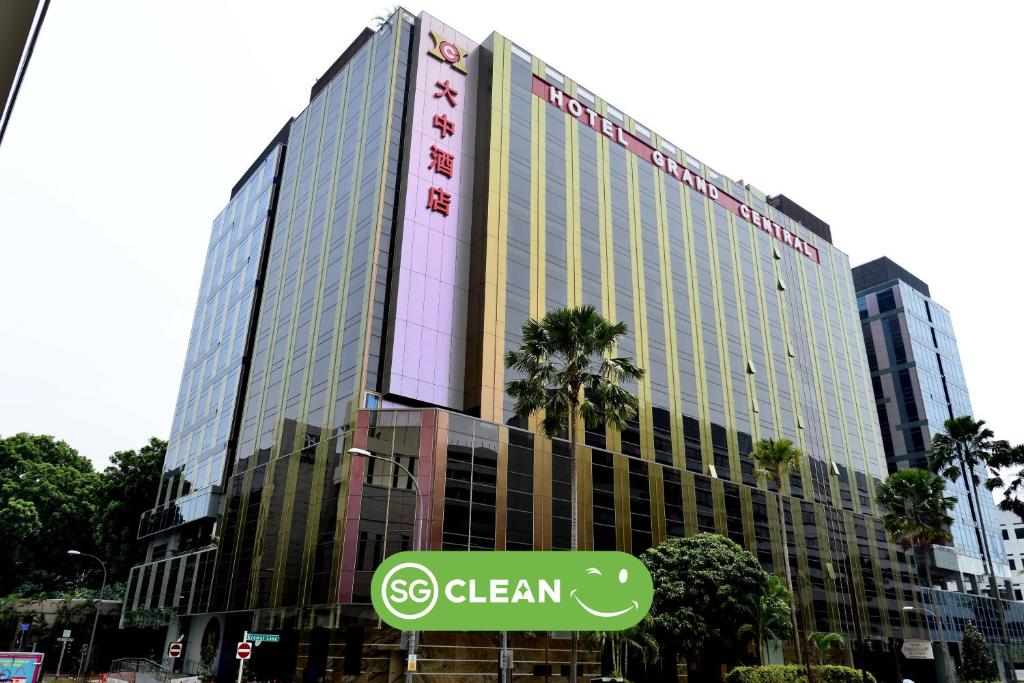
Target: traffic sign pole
{"points": [[63, 646], [242, 653]]}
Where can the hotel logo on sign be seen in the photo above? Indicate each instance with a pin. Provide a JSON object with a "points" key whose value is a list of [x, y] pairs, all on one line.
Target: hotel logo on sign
{"points": [[449, 52]]}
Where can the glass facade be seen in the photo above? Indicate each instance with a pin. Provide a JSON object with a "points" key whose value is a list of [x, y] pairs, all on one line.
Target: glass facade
{"points": [[743, 338], [188, 501], [918, 383], [318, 341]]}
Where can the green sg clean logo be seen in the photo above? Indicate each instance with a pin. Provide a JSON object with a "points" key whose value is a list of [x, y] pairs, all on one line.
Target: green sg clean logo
{"points": [[512, 591]]}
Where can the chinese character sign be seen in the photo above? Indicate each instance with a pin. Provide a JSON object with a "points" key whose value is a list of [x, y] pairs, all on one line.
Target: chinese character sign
{"points": [[427, 356]]}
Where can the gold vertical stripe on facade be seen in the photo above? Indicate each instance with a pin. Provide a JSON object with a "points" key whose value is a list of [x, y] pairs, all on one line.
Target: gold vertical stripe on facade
{"points": [[668, 303], [812, 337], [775, 532], [803, 574], [794, 384], [573, 228], [538, 220], [854, 343], [699, 359], [845, 456], [573, 255], [656, 490], [538, 209], [341, 508], [541, 493], [640, 333], [883, 600], [501, 491], [492, 391], [382, 183], [604, 184], [718, 507], [689, 503], [827, 560], [623, 523], [860, 598], [749, 388], [747, 510], [585, 500], [766, 339], [724, 364]]}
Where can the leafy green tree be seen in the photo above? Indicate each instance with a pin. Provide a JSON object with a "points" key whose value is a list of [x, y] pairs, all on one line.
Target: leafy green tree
{"points": [[127, 489], [20, 525], [48, 493], [568, 371], [770, 614], [917, 517], [967, 446], [976, 665], [824, 647], [702, 584], [774, 460]]}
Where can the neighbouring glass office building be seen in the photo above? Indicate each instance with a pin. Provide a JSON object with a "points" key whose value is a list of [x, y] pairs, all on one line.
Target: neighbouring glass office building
{"points": [[918, 383], [362, 286]]}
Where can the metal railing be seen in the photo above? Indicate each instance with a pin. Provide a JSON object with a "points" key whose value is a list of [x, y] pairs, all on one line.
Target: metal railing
{"points": [[136, 664]]}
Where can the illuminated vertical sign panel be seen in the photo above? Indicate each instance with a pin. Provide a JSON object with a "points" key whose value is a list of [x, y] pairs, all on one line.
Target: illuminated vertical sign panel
{"points": [[426, 356]]}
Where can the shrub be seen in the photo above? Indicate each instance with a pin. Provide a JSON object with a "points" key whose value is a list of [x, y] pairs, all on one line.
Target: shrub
{"points": [[794, 673]]}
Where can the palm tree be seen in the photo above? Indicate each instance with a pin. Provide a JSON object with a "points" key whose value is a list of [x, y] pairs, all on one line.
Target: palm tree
{"points": [[775, 459], [771, 616], [825, 646], [1005, 459], [568, 371], [917, 516], [639, 637], [965, 446]]}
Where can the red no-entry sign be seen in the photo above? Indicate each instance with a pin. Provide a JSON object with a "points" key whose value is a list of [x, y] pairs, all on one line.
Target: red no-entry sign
{"points": [[243, 651], [174, 650]]}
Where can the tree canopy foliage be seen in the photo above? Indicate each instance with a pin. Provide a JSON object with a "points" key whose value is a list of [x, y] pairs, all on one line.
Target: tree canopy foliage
{"points": [[52, 500], [976, 664], [702, 586]]}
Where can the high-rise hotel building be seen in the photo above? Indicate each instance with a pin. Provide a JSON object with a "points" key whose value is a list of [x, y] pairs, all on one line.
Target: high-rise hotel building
{"points": [[918, 383], [362, 286]]}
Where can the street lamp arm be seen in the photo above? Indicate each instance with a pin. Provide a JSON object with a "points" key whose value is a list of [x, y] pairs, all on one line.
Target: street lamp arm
{"points": [[96, 617], [418, 541]]}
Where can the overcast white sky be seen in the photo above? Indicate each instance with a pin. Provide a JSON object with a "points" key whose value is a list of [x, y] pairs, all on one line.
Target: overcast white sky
{"points": [[897, 123]]}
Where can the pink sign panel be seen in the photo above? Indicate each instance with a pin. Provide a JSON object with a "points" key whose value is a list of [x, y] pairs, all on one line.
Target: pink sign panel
{"points": [[426, 359]]}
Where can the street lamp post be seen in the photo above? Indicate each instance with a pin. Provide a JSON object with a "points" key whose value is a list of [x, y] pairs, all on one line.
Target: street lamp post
{"points": [[417, 533], [942, 637], [99, 603]]}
